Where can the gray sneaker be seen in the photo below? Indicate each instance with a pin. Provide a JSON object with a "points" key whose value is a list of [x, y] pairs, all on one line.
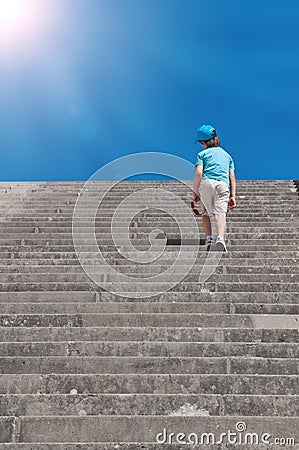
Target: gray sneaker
{"points": [[220, 245], [209, 243]]}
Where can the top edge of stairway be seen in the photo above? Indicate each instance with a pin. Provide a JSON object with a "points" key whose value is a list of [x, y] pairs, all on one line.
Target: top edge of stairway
{"points": [[74, 182]]}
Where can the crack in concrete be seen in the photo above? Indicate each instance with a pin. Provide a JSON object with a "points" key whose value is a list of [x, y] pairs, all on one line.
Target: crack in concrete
{"points": [[16, 428]]}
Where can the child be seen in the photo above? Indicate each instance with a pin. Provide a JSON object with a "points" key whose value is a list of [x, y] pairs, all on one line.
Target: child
{"points": [[215, 178]]}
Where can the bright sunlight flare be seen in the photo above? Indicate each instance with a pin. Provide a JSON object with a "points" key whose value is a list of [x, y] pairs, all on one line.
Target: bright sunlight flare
{"points": [[21, 23], [12, 12]]}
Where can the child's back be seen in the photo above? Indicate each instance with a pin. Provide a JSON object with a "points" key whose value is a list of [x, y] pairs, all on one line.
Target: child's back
{"points": [[216, 163]]}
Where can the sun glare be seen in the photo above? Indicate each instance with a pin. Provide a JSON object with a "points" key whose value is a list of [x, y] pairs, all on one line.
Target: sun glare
{"points": [[22, 22], [12, 12]]}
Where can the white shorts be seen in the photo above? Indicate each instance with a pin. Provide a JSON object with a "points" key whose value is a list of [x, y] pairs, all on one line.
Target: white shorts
{"points": [[214, 197]]}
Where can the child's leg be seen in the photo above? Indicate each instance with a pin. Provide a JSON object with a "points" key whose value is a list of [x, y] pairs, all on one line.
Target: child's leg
{"points": [[220, 207], [207, 226], [206, 195], [220, 224]]}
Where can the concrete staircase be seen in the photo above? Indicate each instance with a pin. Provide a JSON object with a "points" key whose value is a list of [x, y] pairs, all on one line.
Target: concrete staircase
{"points": [[84, 368]]}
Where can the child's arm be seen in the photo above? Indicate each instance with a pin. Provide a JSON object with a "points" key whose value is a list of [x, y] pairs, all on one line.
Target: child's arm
{"points": [[196, 181], [232, 201]]}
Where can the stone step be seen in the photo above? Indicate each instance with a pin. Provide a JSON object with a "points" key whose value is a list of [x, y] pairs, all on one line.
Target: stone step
{"points": [[167, 256], [148, 334], [220, 384], [152, 429], [47, 257], [110, 307], [107, 195], [208, 296], [111, 189], [191, 286], [182, 214], [224, 267], [127, 289], [150, 365], [240, 220], [158, 246], [145, 211], [120, 189], [103, 224], [143, 238], [240, 227], [24, 264], [245, 277], [285, 271], [172, 251], [51, 232], [65, 232], [278, 298], [150, 307], [56, 204], [144, 231], [150, 349], [203, 320], [243, 198], [56, 296], [243, 207], [108, 247], [37, 188], [274, 194], [58, 210], [123, 186], [147, 404], [172, 244]]}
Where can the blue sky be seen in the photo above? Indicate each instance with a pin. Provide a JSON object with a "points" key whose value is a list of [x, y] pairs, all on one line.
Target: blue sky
{"points": [[106, 78]]}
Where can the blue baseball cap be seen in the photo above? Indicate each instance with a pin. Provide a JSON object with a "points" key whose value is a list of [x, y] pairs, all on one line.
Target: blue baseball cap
{"points": [[205, 133]]}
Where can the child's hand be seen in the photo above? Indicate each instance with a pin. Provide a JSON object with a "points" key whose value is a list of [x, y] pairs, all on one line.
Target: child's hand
{"points": [[232, 203], [196, 197]]}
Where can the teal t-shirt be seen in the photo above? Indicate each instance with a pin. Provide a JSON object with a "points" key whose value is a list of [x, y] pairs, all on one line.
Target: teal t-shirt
{"points": [[216, 163]]}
